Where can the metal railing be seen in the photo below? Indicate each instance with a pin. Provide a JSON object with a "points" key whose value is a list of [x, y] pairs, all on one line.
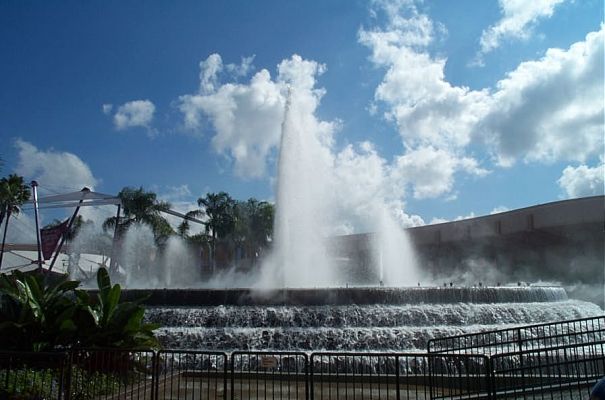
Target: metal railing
{"points": [[269, 375], [558, 368], [554, 360], [523, 338], [182, 374]]}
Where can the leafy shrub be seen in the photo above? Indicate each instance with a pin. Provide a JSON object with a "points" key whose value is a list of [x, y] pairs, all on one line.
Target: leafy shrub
{"points": [[39, 316]]}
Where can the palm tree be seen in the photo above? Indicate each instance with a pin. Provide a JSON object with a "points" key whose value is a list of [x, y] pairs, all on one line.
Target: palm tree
{"points": [[141, 207], [254, 224], [13, 193], [219, 208]]}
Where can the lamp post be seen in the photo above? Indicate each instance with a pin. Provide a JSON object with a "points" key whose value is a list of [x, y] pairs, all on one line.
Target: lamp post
{"points": [[34, 185]]}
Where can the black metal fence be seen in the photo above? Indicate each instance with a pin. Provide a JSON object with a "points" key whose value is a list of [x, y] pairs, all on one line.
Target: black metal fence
{"points": [[550, 366], [559, 360], [523, 338]]}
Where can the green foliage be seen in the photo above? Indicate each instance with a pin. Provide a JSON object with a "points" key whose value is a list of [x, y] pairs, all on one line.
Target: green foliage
{"points": [[29, 383], [37, 316], [13, 193], [141, 207], [26, 383], [220, 210], [92, 384], [254, 223], [105, 322]]}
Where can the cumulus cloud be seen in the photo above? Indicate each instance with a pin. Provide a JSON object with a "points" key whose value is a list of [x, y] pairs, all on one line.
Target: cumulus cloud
{"points": [[550, 109], [528, 115], [431, 170], [136, 113], [59, 171], [107, 108], [434, 118], [583, 181], [519, 17], [242, 69], [247, 117], [427, 109]]}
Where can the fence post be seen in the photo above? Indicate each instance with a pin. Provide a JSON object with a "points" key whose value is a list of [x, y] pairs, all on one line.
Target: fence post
{"points": [[311, 389], [491, 378], [66, 377], [155, 375], [429, 357], [232, 375], [225, 375], [521, 366], [397, 373]]}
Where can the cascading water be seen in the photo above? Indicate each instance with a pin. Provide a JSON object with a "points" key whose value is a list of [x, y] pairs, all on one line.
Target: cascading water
{"points": [[395, 326]]}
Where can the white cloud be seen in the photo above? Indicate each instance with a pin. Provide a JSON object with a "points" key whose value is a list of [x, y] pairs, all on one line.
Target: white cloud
{"points": [[242, 69], [428, 110], [431, 171], [519, 18], [546, 110], [247, 117], [58, 171], [107, 108], [583, 181], [209, 70], [134, 113], [550, 109], [434, 118], [499, 209], [436, 220]]}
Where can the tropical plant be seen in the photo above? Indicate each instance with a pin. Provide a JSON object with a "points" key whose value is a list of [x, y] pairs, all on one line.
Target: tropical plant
{"points": [[105, 322], [38, 316], [141, 207], [13, 193], [219, 209]]}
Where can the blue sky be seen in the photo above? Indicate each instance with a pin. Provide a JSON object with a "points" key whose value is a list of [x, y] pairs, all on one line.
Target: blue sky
{"points": [[463, 107]]}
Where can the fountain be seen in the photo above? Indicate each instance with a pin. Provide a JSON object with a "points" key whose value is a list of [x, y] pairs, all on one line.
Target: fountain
{"points": [[300, 300]]}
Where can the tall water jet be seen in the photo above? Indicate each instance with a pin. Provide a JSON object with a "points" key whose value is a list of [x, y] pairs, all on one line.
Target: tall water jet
{"points": [[394, 253], [300, 257], [179, 264], [138, 254]]}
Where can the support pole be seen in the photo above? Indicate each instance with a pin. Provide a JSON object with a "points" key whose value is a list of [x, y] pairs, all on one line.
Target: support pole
{"points": [[113, 264], [34, 185], [71, 222], [8, 215]]}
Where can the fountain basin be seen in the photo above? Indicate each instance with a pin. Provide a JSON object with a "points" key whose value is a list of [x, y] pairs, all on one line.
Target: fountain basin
{"points": [[345, 296]]}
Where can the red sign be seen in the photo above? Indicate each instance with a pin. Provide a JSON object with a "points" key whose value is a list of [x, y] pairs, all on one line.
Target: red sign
{"points": [[50, 237]]}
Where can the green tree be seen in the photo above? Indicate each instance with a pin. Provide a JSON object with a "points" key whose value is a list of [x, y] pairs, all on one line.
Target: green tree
{"points": [[254, 225], [140, 206], [13, 193], [219, 209]]}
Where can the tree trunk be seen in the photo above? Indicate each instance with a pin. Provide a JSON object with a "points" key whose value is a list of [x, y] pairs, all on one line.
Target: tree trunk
{"points": [[8, 215]]}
